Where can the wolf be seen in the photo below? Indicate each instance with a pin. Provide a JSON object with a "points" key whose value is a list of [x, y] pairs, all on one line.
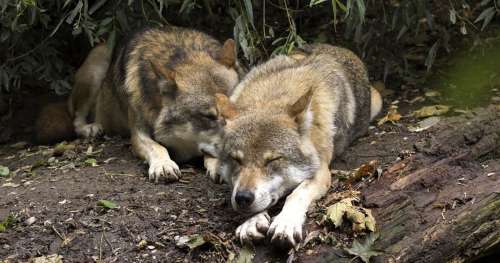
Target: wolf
{"points": [[163, 87], [290, 117]]}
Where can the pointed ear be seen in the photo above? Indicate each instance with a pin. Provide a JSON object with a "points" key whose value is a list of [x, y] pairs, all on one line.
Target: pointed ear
{"points": [[227, 55], [166, 76], [162, 72], [301, 105], [225, 107], [301, 113]]}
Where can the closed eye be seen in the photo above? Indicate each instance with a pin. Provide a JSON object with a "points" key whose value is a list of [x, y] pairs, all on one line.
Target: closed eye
{"points": [[271, 160], [209, 115]]}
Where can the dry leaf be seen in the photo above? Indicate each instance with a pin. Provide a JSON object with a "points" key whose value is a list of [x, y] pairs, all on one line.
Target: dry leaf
{"points": [[365, 251], [424, 124], [360, 217], [429, 111], [432, 93], [14, 185], [365, 170], [48, 259], [392, 115], [192, 241], [246, 255], [63, 147]]}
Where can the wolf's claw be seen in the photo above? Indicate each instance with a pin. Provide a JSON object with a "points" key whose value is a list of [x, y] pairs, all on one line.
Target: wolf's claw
{"points": [[90, 130], [211, 164], [164, 168], [286, 230], [253, 229]]}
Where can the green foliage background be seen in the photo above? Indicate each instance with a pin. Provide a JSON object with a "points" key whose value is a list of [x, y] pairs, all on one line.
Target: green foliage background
{"points": [[43, 41]]}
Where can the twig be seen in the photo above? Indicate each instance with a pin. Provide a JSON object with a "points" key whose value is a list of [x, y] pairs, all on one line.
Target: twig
{"points": [[59, 234], [100, 247]]}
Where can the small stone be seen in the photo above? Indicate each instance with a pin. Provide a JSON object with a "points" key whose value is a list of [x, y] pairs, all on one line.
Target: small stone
{"points": [[30, 221]]}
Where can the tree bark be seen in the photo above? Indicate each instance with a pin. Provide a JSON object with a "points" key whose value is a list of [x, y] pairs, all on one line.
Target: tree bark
{"points": [[443, 203]]}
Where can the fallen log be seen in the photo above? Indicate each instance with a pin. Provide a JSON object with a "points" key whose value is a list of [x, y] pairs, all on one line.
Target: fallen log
{"points": [[445, 207]]}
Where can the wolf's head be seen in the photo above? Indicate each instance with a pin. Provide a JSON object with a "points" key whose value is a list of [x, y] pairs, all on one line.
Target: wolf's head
{"points": [[193, 92], [265, 155]]}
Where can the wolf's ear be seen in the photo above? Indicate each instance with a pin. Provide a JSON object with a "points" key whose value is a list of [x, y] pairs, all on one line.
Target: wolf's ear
{"points": [[162, 72], [300, 109], [227, 55], [166, 78], [225, 106]]}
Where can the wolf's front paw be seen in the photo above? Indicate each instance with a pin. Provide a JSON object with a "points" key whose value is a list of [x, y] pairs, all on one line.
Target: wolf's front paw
{"points": [[286, 230], [253, 229], [212, 164], [90, 130], [164, 168]]}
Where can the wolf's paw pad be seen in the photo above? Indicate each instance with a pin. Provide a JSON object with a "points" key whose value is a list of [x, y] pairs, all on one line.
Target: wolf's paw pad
{"points": [[211, 164], [286, 230], [91, 130], [254, 229], [164, 168]]}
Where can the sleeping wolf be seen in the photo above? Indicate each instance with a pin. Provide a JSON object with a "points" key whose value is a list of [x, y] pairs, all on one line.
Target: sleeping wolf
{"points": [[292, 115], [163, 87]]}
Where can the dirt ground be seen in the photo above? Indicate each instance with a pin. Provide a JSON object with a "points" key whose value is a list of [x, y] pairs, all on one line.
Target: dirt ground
{"points": [[53, 196]]}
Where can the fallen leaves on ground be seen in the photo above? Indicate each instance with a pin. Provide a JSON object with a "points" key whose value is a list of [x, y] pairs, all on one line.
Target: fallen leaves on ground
{"points": [[246, 255], [365, 170], [63, 147], [191, 242], [364, 250], [91, 162], [432, 93], [48, 259], [4, 171], [424, 124], [428, 111], [11, 184], [360, 217], [392, 115], [106, 204]]}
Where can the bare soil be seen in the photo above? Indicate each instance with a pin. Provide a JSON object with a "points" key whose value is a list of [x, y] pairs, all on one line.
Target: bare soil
{"points": [[53, 198]]}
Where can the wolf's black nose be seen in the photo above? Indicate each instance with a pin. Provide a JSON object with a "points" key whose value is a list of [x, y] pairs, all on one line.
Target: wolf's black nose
{"points": [[244, 198]]}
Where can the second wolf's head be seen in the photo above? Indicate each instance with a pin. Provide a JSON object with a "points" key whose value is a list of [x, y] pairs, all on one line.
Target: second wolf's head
{"points": [[193, 89]]}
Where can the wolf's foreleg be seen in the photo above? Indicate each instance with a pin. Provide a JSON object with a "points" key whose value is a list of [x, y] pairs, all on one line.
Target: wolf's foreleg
{"points": [[286, 227], [254, 229], [160, 164]]}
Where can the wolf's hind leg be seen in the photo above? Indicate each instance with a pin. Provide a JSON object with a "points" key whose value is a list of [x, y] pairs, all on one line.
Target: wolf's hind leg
{"points": [[88, 82]]}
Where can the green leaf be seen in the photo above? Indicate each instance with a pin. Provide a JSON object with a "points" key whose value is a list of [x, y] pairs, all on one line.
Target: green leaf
{"points": [[365, 251], [7, 223], [249, 11], [487, 15], [96, 6], [4, 171], [315, 2], [75, 12], [246, 255], [92, 162], [106, 204]]}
